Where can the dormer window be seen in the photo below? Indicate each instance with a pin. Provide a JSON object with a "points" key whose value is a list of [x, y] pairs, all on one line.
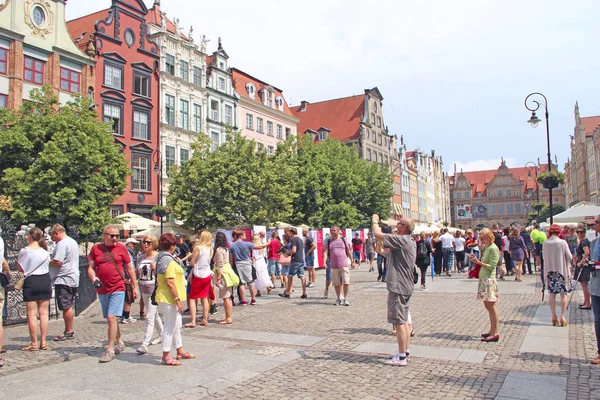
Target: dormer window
{"points": [[279, 102], [269, 101], [251, 90], [322, 135]]}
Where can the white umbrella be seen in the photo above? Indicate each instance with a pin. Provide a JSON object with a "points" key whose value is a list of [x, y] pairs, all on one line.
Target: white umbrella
{"points": [[584, 212], [132, 222], [168, 227]]}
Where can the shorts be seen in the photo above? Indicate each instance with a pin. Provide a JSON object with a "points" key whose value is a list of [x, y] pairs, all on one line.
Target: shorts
{"points": [[398, 312], [225, 293], [65, 296], [112, 304], [274, 267], [285, 269], [356, 255], [538, 249], [37, 288], [310, 260], [340, 276], [244, 270], [1, 305], [370, 256], [296, 268]]}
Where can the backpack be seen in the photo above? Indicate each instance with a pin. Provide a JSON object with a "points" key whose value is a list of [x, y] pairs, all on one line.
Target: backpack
{"points": [[343, 240], [421, 250]]}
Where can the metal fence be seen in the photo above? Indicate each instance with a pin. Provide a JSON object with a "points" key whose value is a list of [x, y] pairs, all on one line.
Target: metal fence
{"points": [[15, 311]]}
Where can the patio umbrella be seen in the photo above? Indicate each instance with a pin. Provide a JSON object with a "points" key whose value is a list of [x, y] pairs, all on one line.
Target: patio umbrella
{"points": [[583, 212], [132, 222], [168, 227]]}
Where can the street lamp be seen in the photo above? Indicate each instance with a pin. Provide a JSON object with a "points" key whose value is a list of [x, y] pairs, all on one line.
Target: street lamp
{"points": [[534, 121], [156, 156]]}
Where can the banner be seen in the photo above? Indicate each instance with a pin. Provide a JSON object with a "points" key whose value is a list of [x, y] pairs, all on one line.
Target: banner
{"points": [[463, 211], [312, 233], [480, 211], [319, 241]]}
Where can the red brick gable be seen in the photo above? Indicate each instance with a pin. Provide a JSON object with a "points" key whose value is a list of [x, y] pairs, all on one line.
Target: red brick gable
{"points": [[479, 179], [81, 28], [341, 116], [241, 79], [153, 17], [590, 124]]}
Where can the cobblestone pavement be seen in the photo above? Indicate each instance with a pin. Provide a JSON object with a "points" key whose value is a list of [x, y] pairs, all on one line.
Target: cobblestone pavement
{"points": [[310, 349]]}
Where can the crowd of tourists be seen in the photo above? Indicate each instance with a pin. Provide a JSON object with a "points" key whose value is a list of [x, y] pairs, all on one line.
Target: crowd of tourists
{"points": [[170, 276]]}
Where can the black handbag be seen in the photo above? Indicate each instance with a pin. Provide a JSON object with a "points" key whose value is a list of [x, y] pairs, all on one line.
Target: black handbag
{"points": [[415, 275], [4, 279]]}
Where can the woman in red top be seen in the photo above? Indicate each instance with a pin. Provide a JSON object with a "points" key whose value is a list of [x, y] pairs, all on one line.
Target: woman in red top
{"points": [[273, 266]]}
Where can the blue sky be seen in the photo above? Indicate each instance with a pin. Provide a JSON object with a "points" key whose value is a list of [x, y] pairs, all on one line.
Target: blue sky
{"points": [[454, 74]]}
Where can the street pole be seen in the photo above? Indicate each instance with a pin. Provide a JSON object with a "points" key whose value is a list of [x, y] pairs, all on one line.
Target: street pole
{"points": [[158, 169], [534, 120]]}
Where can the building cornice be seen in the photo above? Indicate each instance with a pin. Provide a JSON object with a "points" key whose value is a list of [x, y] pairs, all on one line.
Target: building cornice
{"points": [[252, 104]]}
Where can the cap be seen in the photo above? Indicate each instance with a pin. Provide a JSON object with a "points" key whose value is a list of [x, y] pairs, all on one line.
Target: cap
{"points": [[178, 235], [131, 240]]}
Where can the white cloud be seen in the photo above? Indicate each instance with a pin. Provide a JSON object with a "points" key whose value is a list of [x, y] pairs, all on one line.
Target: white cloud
{"points": [[481, 165]]}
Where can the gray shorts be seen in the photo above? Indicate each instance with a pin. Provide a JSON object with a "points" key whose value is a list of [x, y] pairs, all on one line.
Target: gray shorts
{"points": [[244, 269], [398, 312]]}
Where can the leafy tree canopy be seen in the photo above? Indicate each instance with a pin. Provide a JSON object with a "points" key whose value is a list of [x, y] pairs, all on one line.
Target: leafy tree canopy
{"points": [[59, 163]]}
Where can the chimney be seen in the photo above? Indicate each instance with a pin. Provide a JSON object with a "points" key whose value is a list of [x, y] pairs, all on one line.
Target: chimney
{"points": [[303, 105]]}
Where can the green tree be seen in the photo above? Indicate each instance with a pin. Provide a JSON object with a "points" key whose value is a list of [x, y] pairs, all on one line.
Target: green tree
{"points": [[60, 163], [556, 209], [233, 185]]}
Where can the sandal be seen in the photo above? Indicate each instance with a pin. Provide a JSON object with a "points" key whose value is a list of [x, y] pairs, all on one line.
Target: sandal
{"points": [[190, 325], [204, 323], [3, 350], [45, 347], [224, 322], [170, 362], [185, 356], [64, 336], [30, 348]]}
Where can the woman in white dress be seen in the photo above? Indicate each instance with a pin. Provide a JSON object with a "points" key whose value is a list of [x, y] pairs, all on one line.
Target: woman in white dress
{"points": [[263, 280]]}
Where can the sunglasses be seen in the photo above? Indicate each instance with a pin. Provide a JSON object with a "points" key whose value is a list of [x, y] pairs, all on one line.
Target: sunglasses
{"points": [[115, 236], [580, 231], [147, 242]]}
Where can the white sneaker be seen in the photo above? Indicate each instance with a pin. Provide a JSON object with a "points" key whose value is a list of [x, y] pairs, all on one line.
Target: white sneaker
{"points": [[142, 349], [396, 361], [326, 294], [129, 320], [346, 303], [158, 340], [337, 302]]}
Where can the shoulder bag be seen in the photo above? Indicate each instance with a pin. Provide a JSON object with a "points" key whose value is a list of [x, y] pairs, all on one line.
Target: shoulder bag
{"points": [[128, 284], [21, 282]]}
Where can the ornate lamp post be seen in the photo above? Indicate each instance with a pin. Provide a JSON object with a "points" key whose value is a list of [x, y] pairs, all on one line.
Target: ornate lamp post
{"points": [[156, 156], [533, 106]]}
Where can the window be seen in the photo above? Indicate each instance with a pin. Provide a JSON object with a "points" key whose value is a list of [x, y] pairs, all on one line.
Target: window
{"points": [[215, 140], [507, 181], [279, 132], [222, 65], [381, 158], [380, 139], [269, 98], [493, 209], [184, 70], [170, 64], [375, 107], [170, 109], [184, 156], [458, 195], [372, 118], [260, 146], [249, 121], [69, 80], [221, 83], [269, 128], [288, 132], [140, 125], [228, 114], [141, 171], [112, 113], [3, 61], [499, 192], [518, 208], [184, 114], [3, 101], [214, 110], [499, 181], [259, 125], [379, 122], [34, 71], [509, 208], [197, 76], [141, 84], [387, 160], [369, 154], [169, 158], [197, 118], [374, 138], [509, 192], [322, 136], [270, 150], [113, 76]]}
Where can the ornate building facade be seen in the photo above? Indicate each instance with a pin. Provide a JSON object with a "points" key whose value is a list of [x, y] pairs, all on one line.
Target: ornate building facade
{"points": [[36, 50], [127, 92]]}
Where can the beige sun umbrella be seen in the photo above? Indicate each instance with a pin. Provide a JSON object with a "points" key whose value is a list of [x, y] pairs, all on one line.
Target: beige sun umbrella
{"points": [[135, 222]]}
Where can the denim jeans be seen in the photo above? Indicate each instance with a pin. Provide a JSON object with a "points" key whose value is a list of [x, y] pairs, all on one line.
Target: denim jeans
{"points": [[596, 310], [448, 259], [381, 266]]}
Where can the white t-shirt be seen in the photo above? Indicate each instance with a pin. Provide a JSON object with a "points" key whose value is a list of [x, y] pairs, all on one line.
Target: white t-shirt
{"points": [[1, 251], [67, 252], [29, 259], [202, 266], [447, 240], [460, 244]]}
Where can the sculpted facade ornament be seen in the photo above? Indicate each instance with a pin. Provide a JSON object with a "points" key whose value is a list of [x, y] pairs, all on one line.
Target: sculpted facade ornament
{"points": [[3, 4], [38, 16]]}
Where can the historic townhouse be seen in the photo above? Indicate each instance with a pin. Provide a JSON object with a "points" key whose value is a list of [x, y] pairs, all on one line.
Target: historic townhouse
{"points": [[396, 168], [405, 179], [222, 100], [265, 115], [505, 195], [36, 50], [413, 187], [183, 91], [127, 92]]}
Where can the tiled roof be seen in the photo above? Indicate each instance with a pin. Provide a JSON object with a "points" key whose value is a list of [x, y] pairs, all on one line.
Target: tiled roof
{"points": [[153, 17], [241, 79], [77, 27], [341, 116], [410, 154], [590, 124], [209, 60], [479, 179]]}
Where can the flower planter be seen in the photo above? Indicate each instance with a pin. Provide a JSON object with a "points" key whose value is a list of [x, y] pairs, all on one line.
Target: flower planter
{"points": [[160, 213], [550, 182]]}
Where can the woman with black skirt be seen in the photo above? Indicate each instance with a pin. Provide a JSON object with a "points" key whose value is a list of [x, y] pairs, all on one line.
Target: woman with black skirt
{"points": [[33, 261], [423, 257]]}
